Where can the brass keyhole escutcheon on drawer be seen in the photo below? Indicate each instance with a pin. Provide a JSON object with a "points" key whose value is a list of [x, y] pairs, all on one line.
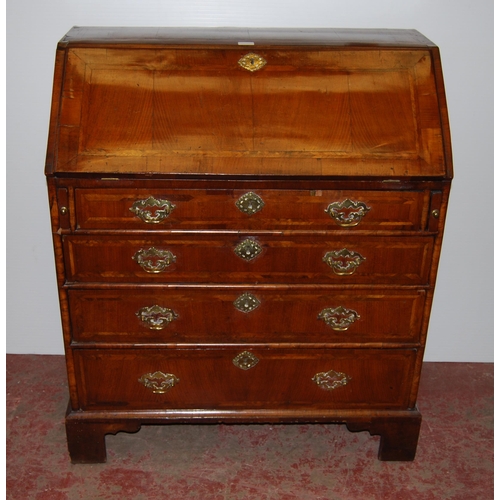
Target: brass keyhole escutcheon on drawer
{"points": [[343, 262], [252, 62], [152, 210], [347, 213], [246, 303], [154, 260], [339, 318], [248, 249], [245, 360], [250, 203], [159, 382], [331, 380], [156, 317]]}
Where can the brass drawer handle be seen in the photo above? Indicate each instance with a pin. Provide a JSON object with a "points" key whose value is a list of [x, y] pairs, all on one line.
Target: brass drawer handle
{"points": [[154, 260], [347, 213], [248, 249], [331, 380], [152, 210], [159, 382], [339, 318], [156, 317], [250, 203], [245, 360], [343, 262], [252, 62]]}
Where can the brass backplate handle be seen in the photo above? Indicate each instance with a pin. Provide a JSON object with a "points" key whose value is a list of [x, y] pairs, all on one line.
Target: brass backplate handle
{"points": [[154, 260], [331, 380], [159, 382], [152, 210], [156, 317], [343, 262], [339, 318], [347, 213]]}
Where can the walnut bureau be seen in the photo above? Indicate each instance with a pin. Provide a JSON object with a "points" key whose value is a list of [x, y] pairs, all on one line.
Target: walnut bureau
{"points": [[247, 226]]}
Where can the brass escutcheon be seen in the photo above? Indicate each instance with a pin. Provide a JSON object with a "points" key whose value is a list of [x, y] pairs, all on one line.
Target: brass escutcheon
{"points": [[343, 262], [159, 382], [156, 317], [339, 318], [252, 62], [154, 260], [331, 380], [246, 302], [152, 210], [248, 249], [347, 213], [245, 360], [250, 203]]}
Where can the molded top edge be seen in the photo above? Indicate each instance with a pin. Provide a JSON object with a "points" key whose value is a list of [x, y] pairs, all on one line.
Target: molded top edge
{"points": [[328, 37]]}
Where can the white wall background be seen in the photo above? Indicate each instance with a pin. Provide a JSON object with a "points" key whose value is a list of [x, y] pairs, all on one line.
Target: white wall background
{"points": [[461, 327]]}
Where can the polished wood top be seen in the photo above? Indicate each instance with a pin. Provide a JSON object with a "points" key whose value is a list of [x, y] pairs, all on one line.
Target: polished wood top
{"points": [[173, 36]]}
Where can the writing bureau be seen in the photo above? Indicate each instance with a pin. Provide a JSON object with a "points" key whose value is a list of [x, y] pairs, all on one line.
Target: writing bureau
{"points": [[247, 226]]}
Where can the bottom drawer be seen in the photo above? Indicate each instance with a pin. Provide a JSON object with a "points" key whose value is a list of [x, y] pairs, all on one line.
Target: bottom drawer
{"points": [[242, 378]]}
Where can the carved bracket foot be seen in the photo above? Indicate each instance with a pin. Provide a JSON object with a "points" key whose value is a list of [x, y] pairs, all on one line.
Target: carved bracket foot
{"points": [[86, 443], [398, 435]]}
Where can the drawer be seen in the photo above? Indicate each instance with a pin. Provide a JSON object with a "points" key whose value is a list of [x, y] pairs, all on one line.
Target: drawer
{"points": [[236, 258], [253, 314], [131, 379], [143, 209]]}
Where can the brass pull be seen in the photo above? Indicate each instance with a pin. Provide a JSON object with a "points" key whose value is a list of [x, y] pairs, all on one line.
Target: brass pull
{"points": [[250, 203], [252, 62], [152, 210], [343, 262], [159, 382], [246, 302], [63, 210], [339, 319], [347, 213], [331, 380], [156, 317], [245, 360], [435, 213], [154, 260], [248, 249]]}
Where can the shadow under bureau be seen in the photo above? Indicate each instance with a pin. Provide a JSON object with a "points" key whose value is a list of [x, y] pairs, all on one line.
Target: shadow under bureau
{"points": [[247, 226]]}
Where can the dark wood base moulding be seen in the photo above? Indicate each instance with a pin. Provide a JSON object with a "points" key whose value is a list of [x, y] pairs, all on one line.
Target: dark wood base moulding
{"points": [[398, 430]]}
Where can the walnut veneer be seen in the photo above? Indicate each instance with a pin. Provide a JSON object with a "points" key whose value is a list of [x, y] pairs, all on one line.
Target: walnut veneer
{"points": [[247, 226]]}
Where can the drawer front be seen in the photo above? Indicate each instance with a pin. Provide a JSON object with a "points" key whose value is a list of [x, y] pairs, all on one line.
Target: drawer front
{"points": [[265, 258], [243, 378], [240, 209], [232, 315]]}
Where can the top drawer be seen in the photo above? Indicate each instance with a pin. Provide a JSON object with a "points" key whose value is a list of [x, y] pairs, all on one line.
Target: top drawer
{"points": [[143, 209]]}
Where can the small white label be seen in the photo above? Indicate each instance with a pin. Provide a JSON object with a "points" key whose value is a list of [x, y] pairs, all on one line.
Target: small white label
{"points": [[246, 43]]}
